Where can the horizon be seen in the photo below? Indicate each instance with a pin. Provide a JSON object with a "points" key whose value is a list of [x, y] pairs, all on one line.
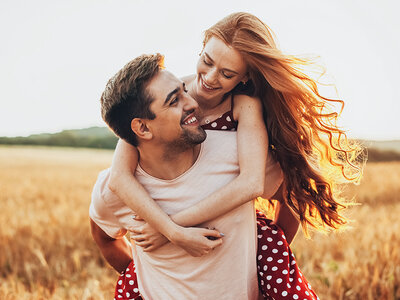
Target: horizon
{"points": [[57, 56], [105, 126]]}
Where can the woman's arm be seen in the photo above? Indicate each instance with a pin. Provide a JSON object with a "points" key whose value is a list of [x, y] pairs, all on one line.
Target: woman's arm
{"points": [[123, 183], [252, 152]]}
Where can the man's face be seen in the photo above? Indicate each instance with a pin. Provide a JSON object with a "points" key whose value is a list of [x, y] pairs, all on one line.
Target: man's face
{"points": [[175, 124]]}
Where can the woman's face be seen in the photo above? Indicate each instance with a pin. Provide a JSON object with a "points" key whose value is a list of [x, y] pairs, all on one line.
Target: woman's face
{"points": [[219, 69]]}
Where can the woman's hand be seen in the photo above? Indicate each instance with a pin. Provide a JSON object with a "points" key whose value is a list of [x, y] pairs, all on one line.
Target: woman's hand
{"points": [[197, 241], [147, 237]]}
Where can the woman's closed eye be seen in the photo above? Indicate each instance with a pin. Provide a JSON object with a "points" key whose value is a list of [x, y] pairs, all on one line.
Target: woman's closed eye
{"points": [[227, 76], [207, 62]]}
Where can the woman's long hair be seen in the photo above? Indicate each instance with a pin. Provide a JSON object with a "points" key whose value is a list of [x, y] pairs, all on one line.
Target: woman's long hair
{"points": [[312, 150]]}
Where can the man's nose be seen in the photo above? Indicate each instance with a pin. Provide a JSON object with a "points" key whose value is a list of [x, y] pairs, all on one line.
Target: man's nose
{"points": [[190, 103]]}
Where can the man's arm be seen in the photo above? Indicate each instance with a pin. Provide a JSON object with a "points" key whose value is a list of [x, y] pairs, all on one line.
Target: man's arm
{"points": [[284, 217], [117, 252]]}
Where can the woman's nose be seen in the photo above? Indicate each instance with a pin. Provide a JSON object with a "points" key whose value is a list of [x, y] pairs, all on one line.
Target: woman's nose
{"points": [[211, 76]]}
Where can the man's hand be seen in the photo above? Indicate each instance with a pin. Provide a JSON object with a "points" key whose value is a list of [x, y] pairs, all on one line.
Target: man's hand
{"points": [[197, 241]]}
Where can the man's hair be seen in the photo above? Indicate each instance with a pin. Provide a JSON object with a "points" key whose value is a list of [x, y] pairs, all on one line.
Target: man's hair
{"points": [[125, 96]]}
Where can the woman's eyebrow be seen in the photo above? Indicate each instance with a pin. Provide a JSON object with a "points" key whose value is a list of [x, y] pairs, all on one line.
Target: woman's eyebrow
{"points": [[225, 69]]}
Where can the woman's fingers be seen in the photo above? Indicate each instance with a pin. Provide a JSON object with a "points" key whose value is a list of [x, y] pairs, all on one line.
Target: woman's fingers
{"points": [[215, 243], [149, 248], [138, 218], [137, 230], [213, 234], [143, 244], [138, 237]]}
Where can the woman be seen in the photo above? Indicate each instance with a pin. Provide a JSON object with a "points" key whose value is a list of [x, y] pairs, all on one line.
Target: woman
{"points": [[244, 81]]}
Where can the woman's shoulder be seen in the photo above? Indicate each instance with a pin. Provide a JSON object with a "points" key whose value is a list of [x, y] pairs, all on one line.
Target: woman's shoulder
{"points": [[240, 101], [241, 98]]}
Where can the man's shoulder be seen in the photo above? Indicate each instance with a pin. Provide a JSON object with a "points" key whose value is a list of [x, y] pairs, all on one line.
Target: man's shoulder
{"points": [[101, 194], [101, 183], [104, 204], [221, 137]]}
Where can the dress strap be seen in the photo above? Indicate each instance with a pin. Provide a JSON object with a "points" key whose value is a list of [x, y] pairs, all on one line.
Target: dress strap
{"points": [[232, 102]]}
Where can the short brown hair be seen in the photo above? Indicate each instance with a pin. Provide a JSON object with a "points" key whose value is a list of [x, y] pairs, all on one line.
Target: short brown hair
{"points": [[125, 96]]}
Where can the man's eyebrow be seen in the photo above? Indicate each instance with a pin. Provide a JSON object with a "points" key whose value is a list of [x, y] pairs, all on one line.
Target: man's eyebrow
{"points": [[171, 94], [225, 69]]}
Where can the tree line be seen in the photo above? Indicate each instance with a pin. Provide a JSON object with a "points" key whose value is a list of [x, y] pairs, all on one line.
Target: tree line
{"points": [[103, 138]]}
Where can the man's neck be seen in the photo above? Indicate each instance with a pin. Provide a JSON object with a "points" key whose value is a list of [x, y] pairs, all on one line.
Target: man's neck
{"points": [[156, 163]]}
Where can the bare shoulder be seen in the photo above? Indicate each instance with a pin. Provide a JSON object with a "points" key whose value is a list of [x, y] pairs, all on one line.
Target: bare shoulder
{"points": [[188, 79], [245, 103], [244, 99]]}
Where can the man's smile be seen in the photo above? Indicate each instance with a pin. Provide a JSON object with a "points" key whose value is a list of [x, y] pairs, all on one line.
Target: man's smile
{"points": [[190, 120]]}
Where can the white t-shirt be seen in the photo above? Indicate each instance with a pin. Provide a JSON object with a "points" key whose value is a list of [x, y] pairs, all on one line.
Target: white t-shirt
{"points": [[229, 271]]}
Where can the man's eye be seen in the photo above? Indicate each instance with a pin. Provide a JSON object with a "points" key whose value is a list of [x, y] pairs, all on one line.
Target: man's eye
{"points": [[173, 101]]}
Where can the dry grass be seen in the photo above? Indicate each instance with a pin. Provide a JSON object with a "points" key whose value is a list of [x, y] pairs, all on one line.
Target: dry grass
{"points": [[46, 251]]}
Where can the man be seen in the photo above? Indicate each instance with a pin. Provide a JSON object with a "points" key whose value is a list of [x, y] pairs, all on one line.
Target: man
{"points": [[149, 107]]}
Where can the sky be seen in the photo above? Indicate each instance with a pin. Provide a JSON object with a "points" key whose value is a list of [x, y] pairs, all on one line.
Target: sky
{"points": [[57, 56]]}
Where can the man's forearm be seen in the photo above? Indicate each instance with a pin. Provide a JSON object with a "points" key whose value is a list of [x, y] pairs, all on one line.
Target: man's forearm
{"points": [[284, 217], [117, 252]]}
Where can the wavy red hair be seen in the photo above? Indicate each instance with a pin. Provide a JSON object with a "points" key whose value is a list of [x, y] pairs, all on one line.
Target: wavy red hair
{"points": [[313, 151]]}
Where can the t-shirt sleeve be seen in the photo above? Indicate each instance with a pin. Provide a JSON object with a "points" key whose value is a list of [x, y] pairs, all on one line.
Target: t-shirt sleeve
{"points": [[100, 212]]}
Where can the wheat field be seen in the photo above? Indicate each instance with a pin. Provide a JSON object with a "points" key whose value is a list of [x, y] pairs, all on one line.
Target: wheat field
{"points": [[46, 250]]}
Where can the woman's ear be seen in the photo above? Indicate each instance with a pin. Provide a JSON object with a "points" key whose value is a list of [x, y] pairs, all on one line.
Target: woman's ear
{"points": [[245, 78], [139, 127]]}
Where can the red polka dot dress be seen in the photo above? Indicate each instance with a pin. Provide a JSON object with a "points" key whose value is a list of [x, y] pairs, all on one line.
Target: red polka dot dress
{"points": [[279, 276]]}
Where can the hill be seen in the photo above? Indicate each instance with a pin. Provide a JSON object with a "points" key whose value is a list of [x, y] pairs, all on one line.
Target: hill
{"points": [[93, 137], [102, 137], [383, 145]]}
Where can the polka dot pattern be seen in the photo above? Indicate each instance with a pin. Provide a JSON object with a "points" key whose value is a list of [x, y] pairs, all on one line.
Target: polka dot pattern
{"points": [[224, 122], [279, 276], [127, 288], [281, 267]]}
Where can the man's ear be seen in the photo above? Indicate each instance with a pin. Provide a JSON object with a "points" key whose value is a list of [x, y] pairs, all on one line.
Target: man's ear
{"points": [[139, 127]]}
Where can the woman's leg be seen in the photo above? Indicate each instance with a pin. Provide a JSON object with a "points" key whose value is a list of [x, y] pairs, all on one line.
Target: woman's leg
{"points": [[278, 274], [127, 286]]}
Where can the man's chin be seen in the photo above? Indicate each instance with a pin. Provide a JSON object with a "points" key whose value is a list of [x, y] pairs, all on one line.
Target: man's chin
{"points": [[195, 136]]}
